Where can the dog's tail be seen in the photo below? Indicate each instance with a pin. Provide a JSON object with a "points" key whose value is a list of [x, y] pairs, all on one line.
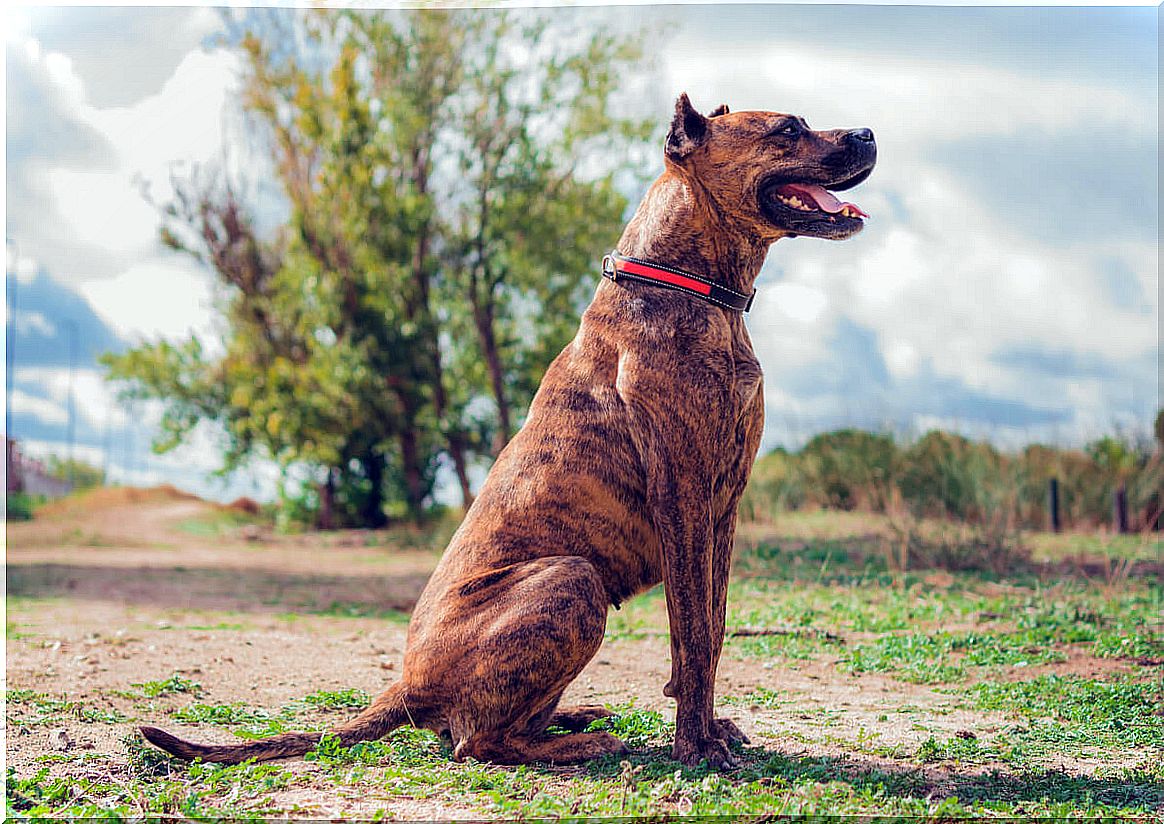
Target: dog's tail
{"points": [[385, 714]]}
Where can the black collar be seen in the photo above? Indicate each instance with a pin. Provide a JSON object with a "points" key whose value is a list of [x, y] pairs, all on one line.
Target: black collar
{"points": [[618, 267]]}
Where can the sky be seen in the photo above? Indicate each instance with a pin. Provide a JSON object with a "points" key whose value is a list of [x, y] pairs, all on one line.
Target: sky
{"points": [[1006, 286]]}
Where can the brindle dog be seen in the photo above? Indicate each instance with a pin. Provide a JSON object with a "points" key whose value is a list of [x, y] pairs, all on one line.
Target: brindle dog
{"points": [[627, 472]]}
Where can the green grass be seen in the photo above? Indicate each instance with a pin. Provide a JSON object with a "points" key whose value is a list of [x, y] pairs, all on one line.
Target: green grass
{"points": [[339, 699], [759, 697], [218, 524], [345, 609], [243, 721], [173, 685], [40, 709], [1081, 713]]}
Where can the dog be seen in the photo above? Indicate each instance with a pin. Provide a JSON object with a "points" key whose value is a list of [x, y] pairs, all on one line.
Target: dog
{"points": [[627, 472]]}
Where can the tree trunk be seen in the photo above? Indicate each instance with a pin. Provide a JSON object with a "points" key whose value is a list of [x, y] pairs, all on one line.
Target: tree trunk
{"points": [[483, 316], [372, 511], [325, 518], [414, 486], [454, 437], [457, 450]]}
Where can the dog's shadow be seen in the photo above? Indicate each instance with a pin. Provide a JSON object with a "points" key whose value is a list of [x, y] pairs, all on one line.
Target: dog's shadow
{"points": [[879, 777]]}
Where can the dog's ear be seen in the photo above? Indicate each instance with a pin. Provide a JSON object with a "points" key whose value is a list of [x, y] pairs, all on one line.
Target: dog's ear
{"points": [[722, 108], [688, 132]]}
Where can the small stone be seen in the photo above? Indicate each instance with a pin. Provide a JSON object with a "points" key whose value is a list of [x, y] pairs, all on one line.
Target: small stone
{"points": [[965, 735], [59, 740], [387, 665]]}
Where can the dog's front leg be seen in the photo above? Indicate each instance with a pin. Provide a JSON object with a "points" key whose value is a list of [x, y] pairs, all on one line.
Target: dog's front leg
{"points": [[679, 492]]}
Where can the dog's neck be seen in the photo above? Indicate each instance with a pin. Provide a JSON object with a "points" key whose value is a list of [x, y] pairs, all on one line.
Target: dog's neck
{"points": [[678, 225]]}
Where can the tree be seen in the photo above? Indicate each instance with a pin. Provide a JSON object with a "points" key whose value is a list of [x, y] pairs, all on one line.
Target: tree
{"points": [[428, 175]]}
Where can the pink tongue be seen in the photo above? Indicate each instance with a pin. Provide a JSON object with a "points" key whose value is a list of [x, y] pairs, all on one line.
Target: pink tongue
{"points": [[824, 199]]}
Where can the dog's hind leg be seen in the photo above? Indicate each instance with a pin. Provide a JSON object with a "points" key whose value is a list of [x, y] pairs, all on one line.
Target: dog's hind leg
{"points": [[532, 630], [553, 749], [577, 719]]}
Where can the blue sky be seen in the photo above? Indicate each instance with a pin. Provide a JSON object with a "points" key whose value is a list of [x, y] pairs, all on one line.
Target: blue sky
{"points": [[1007, 284]]}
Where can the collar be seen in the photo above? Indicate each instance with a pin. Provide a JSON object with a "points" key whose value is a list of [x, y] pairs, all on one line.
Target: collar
{"points": [[618, 267]]}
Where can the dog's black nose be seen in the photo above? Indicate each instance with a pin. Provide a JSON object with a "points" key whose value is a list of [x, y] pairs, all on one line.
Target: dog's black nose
{"points": [[861, 135]]}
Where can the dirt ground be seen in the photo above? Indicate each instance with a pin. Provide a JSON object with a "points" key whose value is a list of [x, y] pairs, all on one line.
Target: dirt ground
{"points": [[101, 600]]}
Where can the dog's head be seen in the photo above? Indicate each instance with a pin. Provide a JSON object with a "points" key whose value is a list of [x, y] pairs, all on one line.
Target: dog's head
{"points": [[771, 173]]}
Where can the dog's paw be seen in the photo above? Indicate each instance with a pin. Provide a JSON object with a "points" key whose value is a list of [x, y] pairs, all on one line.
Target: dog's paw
{"points": [[726, 729], [693, 752]]}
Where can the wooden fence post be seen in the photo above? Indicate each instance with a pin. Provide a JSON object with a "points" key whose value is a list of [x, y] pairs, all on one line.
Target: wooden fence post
{"points": [[1053, 504], [1120, 515]]}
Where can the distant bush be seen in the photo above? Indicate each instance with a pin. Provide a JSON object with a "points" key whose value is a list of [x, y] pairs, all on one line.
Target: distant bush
{"points": [[945, 475], [19, 506]]}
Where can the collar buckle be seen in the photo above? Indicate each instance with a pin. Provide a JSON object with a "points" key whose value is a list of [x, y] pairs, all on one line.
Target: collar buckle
{"points": [[609, 269]]}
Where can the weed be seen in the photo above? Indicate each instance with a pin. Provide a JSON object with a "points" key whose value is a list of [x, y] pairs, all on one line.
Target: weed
{"points": [[340, 699], [960, 750], [55, 710], [636, 727], [171, 686], [243, 721]]}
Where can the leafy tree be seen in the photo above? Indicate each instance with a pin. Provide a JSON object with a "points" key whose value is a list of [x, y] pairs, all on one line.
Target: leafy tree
{"points": [[429, 166]]}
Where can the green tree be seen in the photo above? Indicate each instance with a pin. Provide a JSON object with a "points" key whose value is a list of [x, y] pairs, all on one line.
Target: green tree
{"points": [[363, 334], [80, 474]]}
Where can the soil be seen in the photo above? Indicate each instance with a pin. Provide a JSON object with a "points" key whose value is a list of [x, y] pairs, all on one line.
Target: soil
{"points": [[121, 593]]}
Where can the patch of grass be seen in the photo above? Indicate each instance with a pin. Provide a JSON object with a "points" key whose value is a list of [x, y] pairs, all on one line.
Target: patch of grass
{"points": [[959, 750], [636, 727], [339, 699], [1080, 712], [49, 710], [217, 524], [173, 685], [406, 746], [759, 697], [12, 632], [792, 646], [349, 609], [222, 625], [243, 721], [944, 657]]}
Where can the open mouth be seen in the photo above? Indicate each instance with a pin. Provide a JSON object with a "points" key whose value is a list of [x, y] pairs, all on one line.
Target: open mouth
{"points": [[808, 197], [809, 208]]}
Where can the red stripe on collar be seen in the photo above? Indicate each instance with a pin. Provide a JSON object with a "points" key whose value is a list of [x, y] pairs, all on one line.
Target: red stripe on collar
{"points": [[655, 273], [616, 267]]}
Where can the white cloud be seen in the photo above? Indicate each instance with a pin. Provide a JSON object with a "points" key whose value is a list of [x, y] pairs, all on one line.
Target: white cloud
{"points": [[182, 122], [801, 303], [45, 411], [920, 99], [940, 277], [34, 322], [95, 400], [161, 297]]}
